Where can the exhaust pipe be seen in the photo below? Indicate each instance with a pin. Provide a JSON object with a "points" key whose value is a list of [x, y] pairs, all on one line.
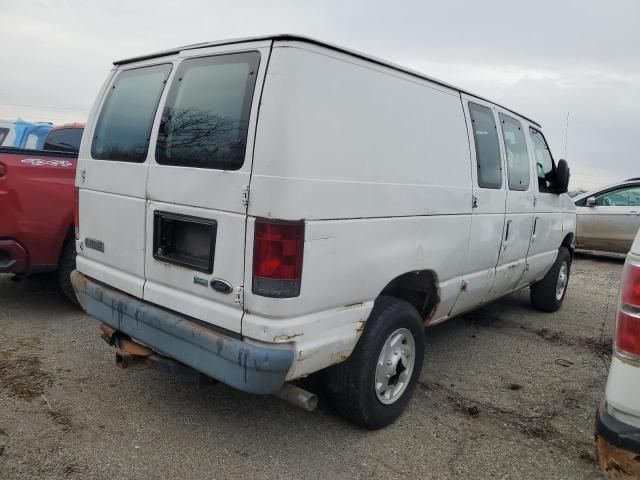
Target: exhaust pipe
{"points": [[298, 397]]}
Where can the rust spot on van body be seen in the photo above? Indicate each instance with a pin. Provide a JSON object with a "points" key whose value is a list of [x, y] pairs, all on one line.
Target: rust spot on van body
{"points": [[617, 463], [286, 338]]}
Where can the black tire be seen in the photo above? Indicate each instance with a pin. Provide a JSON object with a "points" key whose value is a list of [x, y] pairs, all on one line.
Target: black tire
{"points": [[351, 384], [543, 294], [67, 265]]}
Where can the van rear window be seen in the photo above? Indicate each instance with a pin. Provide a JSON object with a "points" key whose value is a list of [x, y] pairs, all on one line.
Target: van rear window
{"points": [[206, 117], [124, 126]]}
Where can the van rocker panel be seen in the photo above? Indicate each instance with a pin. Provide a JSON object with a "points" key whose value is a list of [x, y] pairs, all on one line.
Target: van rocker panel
{"points": [[244, 366]]}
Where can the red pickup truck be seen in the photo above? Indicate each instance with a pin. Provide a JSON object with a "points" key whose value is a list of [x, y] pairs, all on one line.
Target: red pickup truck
{"points": [[37, 202]]}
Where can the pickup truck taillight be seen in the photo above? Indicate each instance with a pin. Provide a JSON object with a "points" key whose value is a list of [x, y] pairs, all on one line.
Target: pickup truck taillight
{"points": [[76, 214], [277, 259], [627, 340]]}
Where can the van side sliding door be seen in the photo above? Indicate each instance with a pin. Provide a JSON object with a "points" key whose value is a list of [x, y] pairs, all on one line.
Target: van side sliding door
{"points": [[489, 197]]}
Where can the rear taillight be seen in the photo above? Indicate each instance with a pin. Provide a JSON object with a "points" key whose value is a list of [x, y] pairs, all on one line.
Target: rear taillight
{"points": [[628, 325], [2, 170], [277, 259], [76, 214]]}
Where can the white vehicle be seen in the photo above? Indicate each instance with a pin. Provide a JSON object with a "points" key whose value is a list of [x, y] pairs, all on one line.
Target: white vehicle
{"points": [[7, 132], [608, 219], [618, 420], [263, 209]]}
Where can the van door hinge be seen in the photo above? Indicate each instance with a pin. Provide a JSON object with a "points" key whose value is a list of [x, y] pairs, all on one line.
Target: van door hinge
{"points": [[474, 202], [535, 201], [245, 195], [238, 296], [83, 175]]}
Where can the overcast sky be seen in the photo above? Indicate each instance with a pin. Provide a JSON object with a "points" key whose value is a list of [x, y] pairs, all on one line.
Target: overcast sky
{"points": [[542, 58]]}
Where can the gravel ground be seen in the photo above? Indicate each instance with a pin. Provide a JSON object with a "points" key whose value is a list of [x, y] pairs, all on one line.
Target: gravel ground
{"points": [[506, 392]]}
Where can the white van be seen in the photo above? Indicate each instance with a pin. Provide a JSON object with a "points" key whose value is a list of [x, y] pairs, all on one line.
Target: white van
{"points": [[263, 209]]}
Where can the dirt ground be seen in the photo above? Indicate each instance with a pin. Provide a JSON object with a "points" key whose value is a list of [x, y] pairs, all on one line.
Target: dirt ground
{"points": [[506, 392]]}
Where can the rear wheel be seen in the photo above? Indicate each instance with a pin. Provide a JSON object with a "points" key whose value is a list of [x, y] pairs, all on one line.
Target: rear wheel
{"points": [[373, 387], [67, 265], [548, 294]]}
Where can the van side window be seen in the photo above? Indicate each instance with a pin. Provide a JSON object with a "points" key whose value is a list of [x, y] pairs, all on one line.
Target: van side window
{"points": [[4, 132], [544, 162], [206, 118], [515, 147], [485, 135], [125, 122]]}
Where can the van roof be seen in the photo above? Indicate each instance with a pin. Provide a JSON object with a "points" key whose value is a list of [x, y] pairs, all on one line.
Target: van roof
{"points": [[302, 38]]}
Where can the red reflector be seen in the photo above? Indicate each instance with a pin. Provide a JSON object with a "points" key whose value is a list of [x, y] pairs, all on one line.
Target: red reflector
{"points": [[630, 286], [76, 214], [628, 334], [277, 259]]}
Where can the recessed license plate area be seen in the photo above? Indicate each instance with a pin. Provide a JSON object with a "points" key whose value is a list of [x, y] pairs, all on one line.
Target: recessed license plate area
{"points": [[184, 240]]}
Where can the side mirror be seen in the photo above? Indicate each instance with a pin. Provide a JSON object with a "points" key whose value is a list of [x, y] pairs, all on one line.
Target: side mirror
{"points": [[562, 177], [591, 202]]}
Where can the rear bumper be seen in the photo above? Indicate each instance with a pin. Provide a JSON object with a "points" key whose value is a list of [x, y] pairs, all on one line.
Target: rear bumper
{"points": [[244, 366], [618, 446], [13, 257]]}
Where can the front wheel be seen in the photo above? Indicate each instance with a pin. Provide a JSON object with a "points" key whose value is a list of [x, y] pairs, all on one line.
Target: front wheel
{"points": [[373, 387], [548, 294]]}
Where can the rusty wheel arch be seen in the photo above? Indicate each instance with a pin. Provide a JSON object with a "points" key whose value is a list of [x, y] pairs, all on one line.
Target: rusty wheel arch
{"points": [[419, 288]]}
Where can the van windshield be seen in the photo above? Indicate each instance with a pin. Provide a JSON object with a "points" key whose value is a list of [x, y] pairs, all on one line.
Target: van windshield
{"points": [[206, 117]]}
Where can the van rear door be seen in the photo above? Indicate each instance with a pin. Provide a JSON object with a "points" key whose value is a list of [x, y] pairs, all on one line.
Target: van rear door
{"points": [[112, 175], [198, 183]]}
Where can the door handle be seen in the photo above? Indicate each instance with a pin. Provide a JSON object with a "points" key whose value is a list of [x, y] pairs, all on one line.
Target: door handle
{"points": [[506, 233]]}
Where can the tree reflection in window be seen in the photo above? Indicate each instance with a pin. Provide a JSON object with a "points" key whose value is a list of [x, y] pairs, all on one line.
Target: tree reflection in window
{"points": [[205, 121], [197, 138]]}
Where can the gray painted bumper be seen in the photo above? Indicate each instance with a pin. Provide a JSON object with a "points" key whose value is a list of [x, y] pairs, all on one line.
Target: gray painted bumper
{"points": [[241, 365]]}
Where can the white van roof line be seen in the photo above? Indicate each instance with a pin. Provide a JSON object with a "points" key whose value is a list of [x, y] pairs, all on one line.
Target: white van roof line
{"points": [[302, 38]]}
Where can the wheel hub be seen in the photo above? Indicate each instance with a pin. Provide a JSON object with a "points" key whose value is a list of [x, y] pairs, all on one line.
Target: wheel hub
{"points": [[563, 279], [395, 366]]}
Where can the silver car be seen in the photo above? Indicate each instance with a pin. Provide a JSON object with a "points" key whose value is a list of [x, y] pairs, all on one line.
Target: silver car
{"points": [[608, 219]]}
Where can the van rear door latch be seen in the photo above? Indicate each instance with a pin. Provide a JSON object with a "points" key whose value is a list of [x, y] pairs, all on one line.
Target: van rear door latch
{"points": [[245, 195], [238, 295]]}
